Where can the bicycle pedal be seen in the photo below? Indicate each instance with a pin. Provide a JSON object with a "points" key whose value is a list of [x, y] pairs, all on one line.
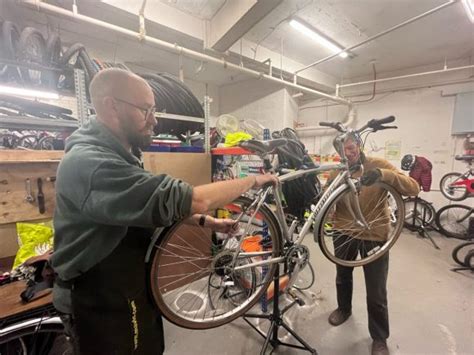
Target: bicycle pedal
{"points": [[298, 300]]}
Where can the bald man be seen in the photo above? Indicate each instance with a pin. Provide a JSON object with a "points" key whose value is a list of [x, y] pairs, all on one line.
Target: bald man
{"points": [[107, 207]]}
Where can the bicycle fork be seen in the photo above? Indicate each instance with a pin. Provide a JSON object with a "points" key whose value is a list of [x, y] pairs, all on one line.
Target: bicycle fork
{"points": [[351, 203]]}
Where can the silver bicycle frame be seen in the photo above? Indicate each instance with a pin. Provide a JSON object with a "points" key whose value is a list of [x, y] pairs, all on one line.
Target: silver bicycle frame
{"points": [[343, 176]]}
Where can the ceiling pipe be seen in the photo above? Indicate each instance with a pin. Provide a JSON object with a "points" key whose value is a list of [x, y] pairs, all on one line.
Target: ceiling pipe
{"points": [[407, 76], [174, 48], [391, 29], [312, 131]]}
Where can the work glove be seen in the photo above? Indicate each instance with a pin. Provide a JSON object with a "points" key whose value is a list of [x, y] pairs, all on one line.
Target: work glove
{"points": [[371, 177]]}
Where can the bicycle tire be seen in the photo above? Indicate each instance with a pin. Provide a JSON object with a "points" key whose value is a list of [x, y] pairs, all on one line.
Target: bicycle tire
{"points": [[469, 260], [456, 253], [450, 220], [171, 246], [448, 192], [31, 49], [343, 228], [422, 207], [34, 335], [70, 52], [11, 37], [53, 59]]}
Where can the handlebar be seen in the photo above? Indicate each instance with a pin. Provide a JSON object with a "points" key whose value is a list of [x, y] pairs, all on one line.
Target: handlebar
{"points": [[376, 124]]}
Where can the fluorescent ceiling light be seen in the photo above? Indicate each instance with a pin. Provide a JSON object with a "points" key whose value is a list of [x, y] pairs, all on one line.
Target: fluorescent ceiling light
{"points": [[315, 36], [28, 93], [469, 7]]}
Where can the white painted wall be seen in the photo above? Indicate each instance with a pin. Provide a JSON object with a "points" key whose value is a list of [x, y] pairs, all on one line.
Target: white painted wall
{"points": [[271, 106], [423, 117]]}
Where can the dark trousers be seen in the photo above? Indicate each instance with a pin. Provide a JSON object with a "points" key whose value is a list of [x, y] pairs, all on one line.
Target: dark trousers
{"points": [[112, 311], [375, 275]]}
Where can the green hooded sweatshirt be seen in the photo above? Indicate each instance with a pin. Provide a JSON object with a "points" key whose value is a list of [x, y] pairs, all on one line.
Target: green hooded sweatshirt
{"points": [[101, 190]]}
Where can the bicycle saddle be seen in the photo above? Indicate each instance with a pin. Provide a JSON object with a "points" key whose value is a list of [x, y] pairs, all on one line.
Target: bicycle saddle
{"points": [[262, 147], [464, 157]]}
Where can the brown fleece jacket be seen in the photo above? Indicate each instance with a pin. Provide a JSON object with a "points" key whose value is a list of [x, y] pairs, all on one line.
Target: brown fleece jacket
{"points": [[373, 205]]}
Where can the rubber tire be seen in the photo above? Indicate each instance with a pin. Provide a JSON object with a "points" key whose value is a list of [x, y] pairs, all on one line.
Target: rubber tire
{"points": [[52, 59], [440, 227], [10, 38], [443, 190], [26, 34], [456, 250], [73, 49], [469, 260], [170, 316]]}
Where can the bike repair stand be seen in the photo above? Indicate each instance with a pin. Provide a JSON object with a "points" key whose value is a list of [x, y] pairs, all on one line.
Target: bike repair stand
{"points": [[276, 321], [421, 229]]}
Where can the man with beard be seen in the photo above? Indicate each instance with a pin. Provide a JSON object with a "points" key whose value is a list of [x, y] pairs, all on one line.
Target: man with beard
{"points": [[376, 272], [107, 207]]}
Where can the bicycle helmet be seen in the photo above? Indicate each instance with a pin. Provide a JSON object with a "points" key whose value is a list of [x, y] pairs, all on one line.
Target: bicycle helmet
{"points": [[407, 162]]}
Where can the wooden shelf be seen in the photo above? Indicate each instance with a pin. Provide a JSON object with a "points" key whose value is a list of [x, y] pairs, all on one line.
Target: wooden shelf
{"points": [[16, 156]]}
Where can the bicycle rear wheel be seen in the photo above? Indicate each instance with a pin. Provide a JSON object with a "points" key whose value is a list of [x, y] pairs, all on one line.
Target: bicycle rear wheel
{"points": [[453, 220], [34, 336], [347, 243], [450, 191], [424, 213], [192, 277]]}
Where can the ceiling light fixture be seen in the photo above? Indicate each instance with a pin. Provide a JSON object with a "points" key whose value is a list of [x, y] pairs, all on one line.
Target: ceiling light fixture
{"points": [[469, 7], [28, 93], [316, 36]]}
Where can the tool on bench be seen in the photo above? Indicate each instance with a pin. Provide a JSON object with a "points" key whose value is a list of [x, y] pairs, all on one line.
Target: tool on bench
{"points": [[40, 197], [29, 197]]}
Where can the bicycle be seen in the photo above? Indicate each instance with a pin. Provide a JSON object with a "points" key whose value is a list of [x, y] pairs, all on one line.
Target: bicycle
{"points": [[201, 280], [453, 220], [457, 186], [35, 332]]}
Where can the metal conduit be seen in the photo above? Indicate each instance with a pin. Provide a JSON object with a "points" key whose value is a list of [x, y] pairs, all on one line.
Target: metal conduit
{"points": [[174, 48]]}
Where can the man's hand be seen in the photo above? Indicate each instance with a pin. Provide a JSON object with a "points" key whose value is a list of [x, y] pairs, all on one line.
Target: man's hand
{"points": [[370, 177], [222, 225], [261, 180]]}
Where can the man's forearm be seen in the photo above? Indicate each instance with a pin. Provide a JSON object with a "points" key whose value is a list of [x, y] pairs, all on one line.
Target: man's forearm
{"points": [[209, 197]]}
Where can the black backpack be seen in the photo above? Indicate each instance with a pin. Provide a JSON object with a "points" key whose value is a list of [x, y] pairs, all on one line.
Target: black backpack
{"points": [[299, 193]]}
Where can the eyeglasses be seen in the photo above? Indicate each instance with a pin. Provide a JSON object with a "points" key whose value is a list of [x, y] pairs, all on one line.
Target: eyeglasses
{"points": [[147, 111]]}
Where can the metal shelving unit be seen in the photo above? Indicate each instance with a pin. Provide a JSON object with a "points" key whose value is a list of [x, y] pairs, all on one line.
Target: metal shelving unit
{"points": [[32, 123], [204, 120]]}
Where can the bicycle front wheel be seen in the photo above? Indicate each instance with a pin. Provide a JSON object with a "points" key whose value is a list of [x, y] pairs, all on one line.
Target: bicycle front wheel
{"points": [[200, 279], [450, 190], [453, 220], [344, 240]]}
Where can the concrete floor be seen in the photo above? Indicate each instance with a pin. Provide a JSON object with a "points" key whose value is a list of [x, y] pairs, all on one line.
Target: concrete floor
{"points": [[431, 310]]}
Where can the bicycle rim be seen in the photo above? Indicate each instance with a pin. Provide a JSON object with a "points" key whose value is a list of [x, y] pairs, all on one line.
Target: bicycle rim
{"points": [[450, 191], [191, 277], [414, 218], [344, 242], [453, 220]]}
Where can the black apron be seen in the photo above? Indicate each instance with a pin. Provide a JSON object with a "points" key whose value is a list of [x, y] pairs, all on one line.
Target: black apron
{"points": [[112, 311]]}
